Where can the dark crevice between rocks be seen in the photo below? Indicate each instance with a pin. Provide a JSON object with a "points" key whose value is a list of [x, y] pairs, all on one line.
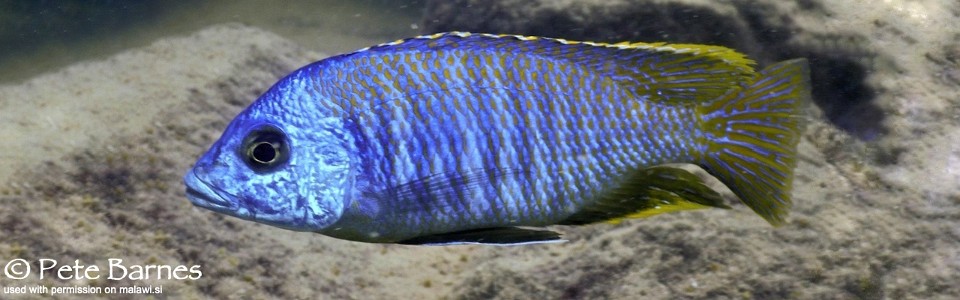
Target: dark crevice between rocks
{"points": [[839, 90], [839, 63]]}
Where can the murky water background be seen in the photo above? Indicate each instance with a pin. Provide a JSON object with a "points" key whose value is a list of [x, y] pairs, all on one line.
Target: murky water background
{"points": [[41, 36]]}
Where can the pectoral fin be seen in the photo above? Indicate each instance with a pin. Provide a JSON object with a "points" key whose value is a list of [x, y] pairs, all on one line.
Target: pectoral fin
{"points": [[437, 192], [647, 192], [488, 236]]}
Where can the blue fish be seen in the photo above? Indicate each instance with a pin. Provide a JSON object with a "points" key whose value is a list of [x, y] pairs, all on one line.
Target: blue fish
{"points": [[464, 138]]}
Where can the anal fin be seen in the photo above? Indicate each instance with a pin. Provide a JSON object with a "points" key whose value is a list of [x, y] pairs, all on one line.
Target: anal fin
{"points": [[488, 236], [647, 192]]}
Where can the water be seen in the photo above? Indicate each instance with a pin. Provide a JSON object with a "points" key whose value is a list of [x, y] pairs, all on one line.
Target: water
{"points": [[49, 36], [105, 105]]}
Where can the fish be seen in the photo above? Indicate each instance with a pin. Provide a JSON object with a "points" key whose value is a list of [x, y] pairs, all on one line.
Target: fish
{"points": [[471, 138]]}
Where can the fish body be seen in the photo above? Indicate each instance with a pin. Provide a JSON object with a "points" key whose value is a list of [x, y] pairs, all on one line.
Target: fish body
{"points": [[474, 138]]}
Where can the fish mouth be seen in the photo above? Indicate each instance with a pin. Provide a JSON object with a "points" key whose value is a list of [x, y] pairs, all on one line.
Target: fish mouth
{"points": [[202, 194]]}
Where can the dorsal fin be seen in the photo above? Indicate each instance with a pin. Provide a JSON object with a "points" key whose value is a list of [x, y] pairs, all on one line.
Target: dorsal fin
{"points": [[659, 71]]}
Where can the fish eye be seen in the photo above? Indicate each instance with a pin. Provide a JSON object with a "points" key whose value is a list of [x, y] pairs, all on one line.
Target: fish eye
{"points": [[265, 148]]}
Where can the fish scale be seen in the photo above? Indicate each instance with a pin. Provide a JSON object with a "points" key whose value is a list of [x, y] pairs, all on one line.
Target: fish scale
{"points": [[461, 138], [557, 144]]}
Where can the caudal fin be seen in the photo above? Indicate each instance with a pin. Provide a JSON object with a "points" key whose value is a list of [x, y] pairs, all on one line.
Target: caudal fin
{"points": [[752, 137]]}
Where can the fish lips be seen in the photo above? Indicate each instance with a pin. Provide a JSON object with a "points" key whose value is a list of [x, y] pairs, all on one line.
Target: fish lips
{"points": [[202, 194]]}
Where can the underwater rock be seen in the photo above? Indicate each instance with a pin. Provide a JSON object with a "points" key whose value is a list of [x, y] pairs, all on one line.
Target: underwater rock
{"points": [[100, 148]]}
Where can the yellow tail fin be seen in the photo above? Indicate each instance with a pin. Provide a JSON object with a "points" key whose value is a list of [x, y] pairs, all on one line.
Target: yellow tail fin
{"points": [[752, 136]]}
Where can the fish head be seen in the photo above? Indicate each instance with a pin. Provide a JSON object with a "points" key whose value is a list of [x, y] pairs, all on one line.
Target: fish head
{"points": [[278, 165]]}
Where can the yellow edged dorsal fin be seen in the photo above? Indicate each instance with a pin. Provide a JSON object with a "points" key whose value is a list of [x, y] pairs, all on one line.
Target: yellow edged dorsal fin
{"points": [[681, 72], [653, 71]]}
